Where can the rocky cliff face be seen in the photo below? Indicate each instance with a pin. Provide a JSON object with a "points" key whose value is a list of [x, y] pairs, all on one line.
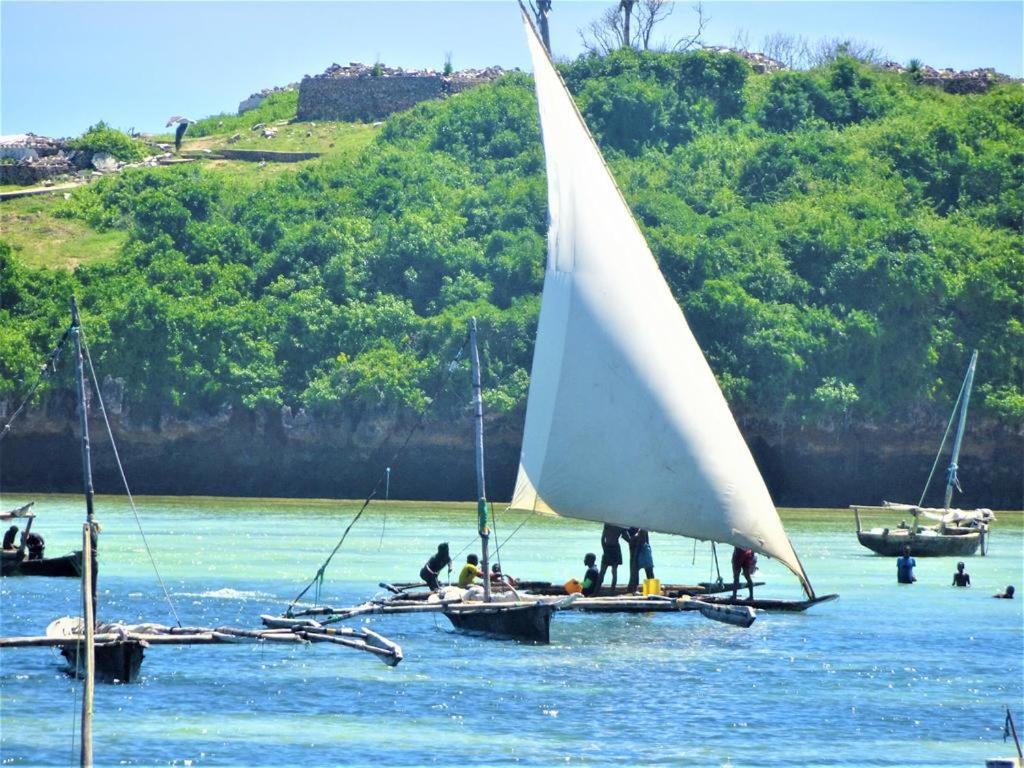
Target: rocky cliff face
{"points": [[292, 455]]}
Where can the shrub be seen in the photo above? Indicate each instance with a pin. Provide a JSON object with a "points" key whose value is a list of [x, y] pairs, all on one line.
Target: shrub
{"points": [[102, 138]]}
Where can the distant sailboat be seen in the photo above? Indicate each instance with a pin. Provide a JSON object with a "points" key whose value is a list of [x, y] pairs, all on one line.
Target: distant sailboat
{"points": [[625, 422], [957, 532]]}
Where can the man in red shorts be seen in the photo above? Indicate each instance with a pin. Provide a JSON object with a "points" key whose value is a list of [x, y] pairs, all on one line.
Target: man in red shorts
{"points": [[746, 561]]}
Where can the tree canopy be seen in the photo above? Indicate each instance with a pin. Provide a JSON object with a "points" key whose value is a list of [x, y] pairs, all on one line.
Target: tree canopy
{"points": [[839, 240]]}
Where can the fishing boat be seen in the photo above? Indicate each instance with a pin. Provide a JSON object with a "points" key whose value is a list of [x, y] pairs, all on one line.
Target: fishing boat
{"points": [[18, 561], [625, 423], [112, 652], [510, 617], [954, 532]]}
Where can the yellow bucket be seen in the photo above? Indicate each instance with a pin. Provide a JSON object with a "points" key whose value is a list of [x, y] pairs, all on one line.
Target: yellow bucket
{"points": [[652, 587]]}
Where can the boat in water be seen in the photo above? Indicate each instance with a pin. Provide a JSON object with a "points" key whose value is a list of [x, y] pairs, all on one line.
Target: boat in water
{"points": [[505, 615], [952, 532], [24, 560], [625, 422]]}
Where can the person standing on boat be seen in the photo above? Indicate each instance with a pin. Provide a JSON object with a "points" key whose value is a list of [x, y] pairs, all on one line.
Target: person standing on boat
{"points": [[36, 545], [592, 578], [961, 578], [12, 532], [640, 556], [470, 572], [905, 568], [743, 561], [611, 551], [437, 561]]}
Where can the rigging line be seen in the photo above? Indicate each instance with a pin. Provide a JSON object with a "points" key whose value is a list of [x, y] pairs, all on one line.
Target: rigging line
{"points": [[945, 435], [124, 479], [526, 519], [48, 367], [494, 525], [373, 493]]}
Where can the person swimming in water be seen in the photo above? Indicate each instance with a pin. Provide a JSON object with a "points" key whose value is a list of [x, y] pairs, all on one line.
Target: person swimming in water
{"points": [[961, 578]]}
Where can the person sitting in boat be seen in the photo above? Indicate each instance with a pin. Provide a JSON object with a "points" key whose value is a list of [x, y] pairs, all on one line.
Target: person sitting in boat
{"points": [[501, 578], [961, 578], [905, 568], [640, 556], [437, 561], [611, 551], [743, 561], [470, 572], [9, 537], [1007, 595], [36, 545], [592, 578]]}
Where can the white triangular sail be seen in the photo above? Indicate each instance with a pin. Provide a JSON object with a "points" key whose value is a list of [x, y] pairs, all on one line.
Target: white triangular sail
{"points": [[625, 422]]}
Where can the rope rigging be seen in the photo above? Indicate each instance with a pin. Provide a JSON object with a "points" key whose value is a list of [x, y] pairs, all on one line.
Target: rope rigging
{"points": [[942, 445], [48, 369], [124, 479], [318, 579]]}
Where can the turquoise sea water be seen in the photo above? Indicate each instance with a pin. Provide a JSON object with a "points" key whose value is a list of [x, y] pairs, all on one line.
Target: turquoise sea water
{"points": [[888, 675]]}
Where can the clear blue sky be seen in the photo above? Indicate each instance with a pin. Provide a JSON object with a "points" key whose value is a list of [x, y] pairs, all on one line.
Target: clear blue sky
{"points": [[67, 65]]}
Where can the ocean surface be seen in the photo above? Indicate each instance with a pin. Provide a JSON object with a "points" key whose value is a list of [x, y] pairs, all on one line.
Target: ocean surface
{"points": [[888, 675]]}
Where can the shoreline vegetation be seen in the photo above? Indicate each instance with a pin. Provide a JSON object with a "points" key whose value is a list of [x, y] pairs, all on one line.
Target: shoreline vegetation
{"points": [[839, 240], [1013, 518]]}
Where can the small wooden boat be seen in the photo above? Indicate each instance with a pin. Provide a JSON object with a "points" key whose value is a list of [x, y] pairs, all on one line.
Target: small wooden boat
{"points": [[528, 622], [69, 565], [17, 561], [785, 606], [118, 656], [956, 532], [923, 540]]}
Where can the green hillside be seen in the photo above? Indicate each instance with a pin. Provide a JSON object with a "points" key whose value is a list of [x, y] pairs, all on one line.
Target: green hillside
{"points": [[839, 240]]}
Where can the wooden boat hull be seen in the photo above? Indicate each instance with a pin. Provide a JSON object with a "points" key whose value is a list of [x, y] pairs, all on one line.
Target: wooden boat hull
{"points": [[116, 661], [891, 544], [67, 565], [789, 606], [529, 623], [10, 560]]}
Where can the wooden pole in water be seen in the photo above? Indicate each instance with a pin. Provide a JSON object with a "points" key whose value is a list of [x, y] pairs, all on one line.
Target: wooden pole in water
{"points": [[83, 414], [478, 435], [90, 650]]}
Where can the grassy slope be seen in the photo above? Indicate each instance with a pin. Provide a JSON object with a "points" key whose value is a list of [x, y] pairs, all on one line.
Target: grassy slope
{"points": [[40, 239]]}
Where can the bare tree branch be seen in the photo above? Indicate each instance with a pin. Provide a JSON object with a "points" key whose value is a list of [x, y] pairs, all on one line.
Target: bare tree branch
{"points": [[828, 49], [686, 43], [649, 14], [605, 33], [615, 27], [792, 51]]}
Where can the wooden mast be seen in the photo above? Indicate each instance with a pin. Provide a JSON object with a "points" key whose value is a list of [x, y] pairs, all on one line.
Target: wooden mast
{"points": [[76, 333], [478, 435], [88, 620], [951, 480]]}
